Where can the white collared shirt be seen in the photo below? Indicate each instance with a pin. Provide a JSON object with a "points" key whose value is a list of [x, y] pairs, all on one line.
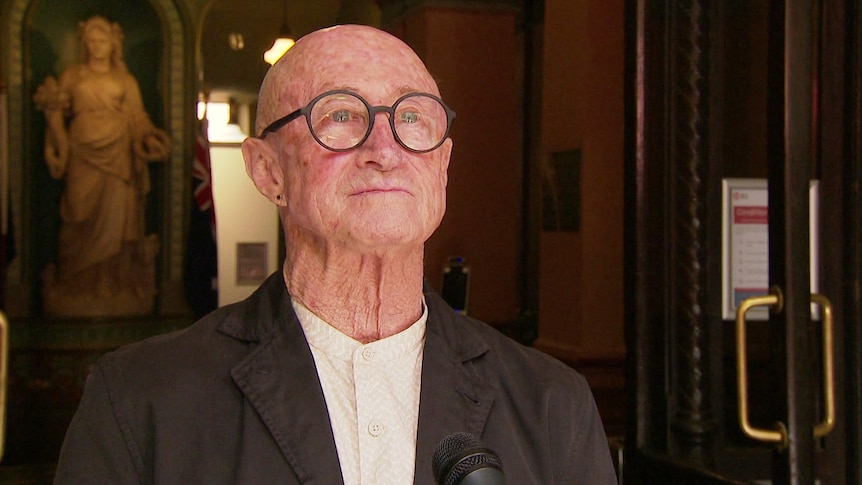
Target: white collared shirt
{"points": [[372, 395]]}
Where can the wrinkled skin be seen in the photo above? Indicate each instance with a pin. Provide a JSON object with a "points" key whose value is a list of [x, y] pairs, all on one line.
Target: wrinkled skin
{"points": [[355, 222]]}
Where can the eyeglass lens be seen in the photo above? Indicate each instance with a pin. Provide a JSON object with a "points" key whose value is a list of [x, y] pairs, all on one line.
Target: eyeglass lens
{"points": [[342, 121]]}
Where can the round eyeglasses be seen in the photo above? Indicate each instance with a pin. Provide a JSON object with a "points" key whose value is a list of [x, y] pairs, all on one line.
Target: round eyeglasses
{"points": [[342, 120]]}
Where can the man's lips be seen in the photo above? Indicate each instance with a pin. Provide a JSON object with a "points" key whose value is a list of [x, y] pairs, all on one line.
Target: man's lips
{"points": [[380, 190]]}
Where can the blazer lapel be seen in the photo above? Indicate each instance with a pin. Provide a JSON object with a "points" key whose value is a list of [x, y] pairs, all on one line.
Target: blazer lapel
{"points": [[452, 398], [279, 380]]}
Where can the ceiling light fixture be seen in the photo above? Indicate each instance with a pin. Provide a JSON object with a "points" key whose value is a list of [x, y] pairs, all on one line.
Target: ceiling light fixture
{"points": [[282, 43]]}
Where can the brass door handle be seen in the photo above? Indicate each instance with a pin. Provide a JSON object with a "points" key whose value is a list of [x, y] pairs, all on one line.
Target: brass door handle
{"points": [[825, 426], [779, 435]]}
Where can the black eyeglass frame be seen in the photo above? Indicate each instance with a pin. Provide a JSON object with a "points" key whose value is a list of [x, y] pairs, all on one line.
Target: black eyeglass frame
{"points": [[372, 113]]}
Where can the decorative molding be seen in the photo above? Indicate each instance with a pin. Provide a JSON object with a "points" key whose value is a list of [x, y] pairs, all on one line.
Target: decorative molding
{"points": [[179, 111], [89, 335], [15, 104], [394, 11], [691, 418], [576, 355]]}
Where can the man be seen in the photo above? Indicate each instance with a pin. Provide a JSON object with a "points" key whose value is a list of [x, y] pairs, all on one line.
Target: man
{"points": [[339, 369]]}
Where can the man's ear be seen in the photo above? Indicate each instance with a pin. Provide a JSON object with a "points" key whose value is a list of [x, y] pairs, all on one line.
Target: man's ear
{"points": [[264, 168], [446, 156]]}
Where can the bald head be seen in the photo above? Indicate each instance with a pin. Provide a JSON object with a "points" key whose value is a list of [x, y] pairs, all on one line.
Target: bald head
{"points": [[343, 56]]}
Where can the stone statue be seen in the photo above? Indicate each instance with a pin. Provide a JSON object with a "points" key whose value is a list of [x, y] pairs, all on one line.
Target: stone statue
{"points": [[99, 139]]}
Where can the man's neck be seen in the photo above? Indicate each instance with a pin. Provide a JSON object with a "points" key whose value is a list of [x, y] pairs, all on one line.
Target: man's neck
{"points": [[365, 296]]}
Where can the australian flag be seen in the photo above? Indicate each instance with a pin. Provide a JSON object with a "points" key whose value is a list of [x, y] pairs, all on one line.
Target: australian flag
{"points": [[201, 271]]}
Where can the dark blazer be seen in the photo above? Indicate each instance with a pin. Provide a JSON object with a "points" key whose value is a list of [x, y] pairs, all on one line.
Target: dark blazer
{"points": [[235, 398]]}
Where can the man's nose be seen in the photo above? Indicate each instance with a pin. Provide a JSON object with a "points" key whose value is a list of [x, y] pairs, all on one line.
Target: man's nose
{"points": [[381, 146]]}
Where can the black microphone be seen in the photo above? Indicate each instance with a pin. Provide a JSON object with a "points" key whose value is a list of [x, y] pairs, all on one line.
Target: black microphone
{"points": [[461, 459]]}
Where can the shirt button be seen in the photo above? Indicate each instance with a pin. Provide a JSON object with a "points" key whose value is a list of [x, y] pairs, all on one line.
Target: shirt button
{"points": [[367, 354], [375, 428]]}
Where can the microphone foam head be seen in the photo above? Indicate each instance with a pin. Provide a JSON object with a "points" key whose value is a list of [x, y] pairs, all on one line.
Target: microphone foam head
{"points": [[458, 455]]}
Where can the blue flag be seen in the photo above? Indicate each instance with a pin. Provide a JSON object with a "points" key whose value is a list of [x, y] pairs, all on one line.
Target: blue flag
{"points": [[201, 271]]}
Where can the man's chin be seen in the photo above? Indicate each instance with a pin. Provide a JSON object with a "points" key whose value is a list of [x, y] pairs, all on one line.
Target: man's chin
{"points": [[388, 238]]}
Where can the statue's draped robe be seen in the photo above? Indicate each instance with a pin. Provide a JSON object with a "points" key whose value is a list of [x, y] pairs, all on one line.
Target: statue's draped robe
{"points": [[102, 207]]}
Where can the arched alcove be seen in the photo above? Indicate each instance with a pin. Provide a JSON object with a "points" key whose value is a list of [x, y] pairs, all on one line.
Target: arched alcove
{"points": [[40, 40], [50, 359]]}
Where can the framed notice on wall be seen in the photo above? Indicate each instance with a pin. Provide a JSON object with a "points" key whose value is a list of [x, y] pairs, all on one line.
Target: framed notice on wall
{"points": [[745, 243]]}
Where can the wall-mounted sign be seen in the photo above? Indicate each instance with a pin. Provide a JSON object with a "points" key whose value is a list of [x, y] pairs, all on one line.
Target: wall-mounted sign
{"points": [[745, 244]]}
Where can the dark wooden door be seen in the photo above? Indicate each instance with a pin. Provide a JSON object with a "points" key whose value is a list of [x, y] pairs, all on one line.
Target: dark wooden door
{"points": [[763, 91]]}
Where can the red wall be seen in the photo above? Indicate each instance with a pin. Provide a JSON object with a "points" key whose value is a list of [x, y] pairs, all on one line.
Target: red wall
{"points": [[581, 273], [473, 54], [477, 55]]}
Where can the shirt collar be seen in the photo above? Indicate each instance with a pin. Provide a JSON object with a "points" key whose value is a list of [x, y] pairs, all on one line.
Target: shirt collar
{"points": [[327, 339]]}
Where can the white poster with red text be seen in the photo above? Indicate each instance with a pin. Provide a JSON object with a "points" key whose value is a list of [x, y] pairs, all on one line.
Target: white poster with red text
{"points": [[745, 264]]}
